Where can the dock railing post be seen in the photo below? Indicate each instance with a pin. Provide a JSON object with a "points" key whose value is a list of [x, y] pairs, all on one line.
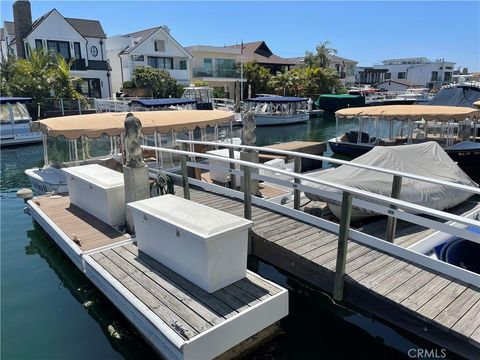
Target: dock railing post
{"points": [[342, 245], [392, 221], [231, 155], [296, 193], [247, 195], [186, 187]]}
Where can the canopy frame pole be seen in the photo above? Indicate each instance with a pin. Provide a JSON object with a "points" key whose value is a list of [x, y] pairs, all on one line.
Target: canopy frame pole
{"points": [[45, 149], [336, 127], [231, 132], [70, 146], [216, 135], [392, 221], [76, 151], [83, 147], [157, 153]]}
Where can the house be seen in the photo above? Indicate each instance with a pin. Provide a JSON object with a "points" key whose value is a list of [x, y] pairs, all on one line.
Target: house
{"points": [[80, 40], [421, 71], [217, 66], [259, 52], [346, 68], [153, 47], [396, 85]]}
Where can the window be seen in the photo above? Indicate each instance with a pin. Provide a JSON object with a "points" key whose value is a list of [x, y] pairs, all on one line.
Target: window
{"points": [[225, 67], [91, 88], [207, 66], [447, 76], [401, 75], [38, 44], [160, 62], [60, 47], [76, 47], [350, 70], [388, 76], [138, 58], [183, 64], [159, 45], [434, 76], [94, 51], [448, 67]]}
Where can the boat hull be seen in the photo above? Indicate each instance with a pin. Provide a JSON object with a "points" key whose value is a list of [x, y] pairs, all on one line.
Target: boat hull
{"points": [[45, 180], [266, 120]]}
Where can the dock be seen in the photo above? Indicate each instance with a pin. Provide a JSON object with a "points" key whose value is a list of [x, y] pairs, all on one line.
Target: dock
{"points": [[433, 306], [178, 318]]}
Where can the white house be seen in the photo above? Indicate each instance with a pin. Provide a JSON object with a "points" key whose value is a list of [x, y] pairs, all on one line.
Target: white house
{"points": [[78, 39], [420, 71], [153, 47]]}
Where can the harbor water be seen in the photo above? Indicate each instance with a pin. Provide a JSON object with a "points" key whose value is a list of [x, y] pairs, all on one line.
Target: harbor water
{"points": [[50, 310]]}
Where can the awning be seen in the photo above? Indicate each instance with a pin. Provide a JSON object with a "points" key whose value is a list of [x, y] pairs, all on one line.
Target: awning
{"points": [[112, 124], [163, 102], [13, 100], [411, 112]]}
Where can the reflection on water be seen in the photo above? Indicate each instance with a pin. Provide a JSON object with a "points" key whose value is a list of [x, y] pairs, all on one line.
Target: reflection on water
{"points": [[14, 160]]}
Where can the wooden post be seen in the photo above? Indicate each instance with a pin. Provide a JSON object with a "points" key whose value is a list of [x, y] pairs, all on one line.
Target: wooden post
{"points": [[342, 245], [392, 221], [231, 155], [296, 193], [186, 187], [247, 196]]}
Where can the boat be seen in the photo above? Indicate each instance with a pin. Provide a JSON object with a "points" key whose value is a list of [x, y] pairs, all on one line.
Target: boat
{"points": [[454, 128], [277, 110], [203, 95], [98, 139], [416, 95], [427, 159], [460, 94], [15, 122]]}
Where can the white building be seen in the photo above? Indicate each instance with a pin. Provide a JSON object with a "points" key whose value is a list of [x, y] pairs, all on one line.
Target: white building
{"points": [[78, 39], [153, 47], [217, 66], [419, 71]]}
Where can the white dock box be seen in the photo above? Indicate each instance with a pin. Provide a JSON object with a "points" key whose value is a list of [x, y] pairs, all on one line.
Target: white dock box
{"points": [[204, 245], [97, 190], [219, 174]]}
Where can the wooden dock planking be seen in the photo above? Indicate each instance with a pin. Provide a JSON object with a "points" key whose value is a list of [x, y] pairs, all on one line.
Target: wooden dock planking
{"points": [[78, 224], [418, 298], [184, 307]]}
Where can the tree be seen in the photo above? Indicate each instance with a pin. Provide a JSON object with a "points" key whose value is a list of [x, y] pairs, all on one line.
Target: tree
{"points": [[64, 84], [257, 76], [281, 82], [7, 72], [321, 57], [200, 83], [160, 82]]}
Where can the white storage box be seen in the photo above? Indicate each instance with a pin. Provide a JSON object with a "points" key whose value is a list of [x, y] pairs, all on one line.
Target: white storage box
{"points": [[97, 190], [204, 245], [218, 174]]}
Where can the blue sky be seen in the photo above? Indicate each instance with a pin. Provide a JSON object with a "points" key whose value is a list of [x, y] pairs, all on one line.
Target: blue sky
{"points": [[363, 31]]}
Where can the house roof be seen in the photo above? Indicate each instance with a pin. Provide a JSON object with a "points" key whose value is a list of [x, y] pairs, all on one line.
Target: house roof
{"points": [[141, 35], [335, 58], [85, 27], [261, 53]]}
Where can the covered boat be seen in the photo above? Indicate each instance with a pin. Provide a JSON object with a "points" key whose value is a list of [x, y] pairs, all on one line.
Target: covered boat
{"points": [[427, 159], [277, 110], [454, 128], [15, 122], [98, 138]]}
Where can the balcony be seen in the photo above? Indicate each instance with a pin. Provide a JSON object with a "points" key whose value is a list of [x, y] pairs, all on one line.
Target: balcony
{"points": [[217, 73], [98, 65], [78, 65]]}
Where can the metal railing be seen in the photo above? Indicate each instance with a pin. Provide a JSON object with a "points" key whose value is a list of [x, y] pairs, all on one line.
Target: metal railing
{"points": [[216, 73], [349, 197]]}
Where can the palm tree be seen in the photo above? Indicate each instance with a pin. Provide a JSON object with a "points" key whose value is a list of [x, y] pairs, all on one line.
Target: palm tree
{"points": [[64, 84], [321, 57], [281, 81]]}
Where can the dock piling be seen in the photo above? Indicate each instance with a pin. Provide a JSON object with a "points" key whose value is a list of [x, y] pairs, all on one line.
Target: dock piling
{"points": [[231, 155], [247, 190], [186, 186], [296, 193], [342, 245]]}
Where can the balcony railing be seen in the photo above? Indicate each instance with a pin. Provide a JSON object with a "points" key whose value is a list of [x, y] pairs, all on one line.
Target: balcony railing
{"points": [[97, 65], [78, 64], [216, 73]]}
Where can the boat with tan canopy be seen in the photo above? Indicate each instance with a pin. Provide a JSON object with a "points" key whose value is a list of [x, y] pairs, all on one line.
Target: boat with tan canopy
{"points": [[456, 129], [98, 138]]}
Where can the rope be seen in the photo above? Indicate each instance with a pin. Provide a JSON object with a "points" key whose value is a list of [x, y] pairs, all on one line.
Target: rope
{"points": [[163, 184]]}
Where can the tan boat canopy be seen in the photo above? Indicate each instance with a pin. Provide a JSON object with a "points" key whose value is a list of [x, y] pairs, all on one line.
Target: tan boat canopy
{"points": [[411, 112], [112, 124]]}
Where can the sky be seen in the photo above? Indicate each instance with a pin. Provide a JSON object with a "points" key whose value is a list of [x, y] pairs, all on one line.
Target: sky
{"points": [[367, 32]]}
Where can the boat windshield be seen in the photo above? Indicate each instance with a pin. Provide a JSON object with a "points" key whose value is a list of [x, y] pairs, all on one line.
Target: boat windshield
{"points": [[20, 113]]}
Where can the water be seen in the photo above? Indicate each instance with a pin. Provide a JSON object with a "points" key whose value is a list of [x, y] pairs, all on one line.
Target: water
{"points": [[50, 310]]}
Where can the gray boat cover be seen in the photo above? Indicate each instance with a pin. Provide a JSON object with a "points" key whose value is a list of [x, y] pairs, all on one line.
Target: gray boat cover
{"points": [[427, 159]]}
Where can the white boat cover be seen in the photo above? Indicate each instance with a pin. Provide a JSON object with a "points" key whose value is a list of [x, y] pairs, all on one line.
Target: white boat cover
{"points": [[427, 159]]}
